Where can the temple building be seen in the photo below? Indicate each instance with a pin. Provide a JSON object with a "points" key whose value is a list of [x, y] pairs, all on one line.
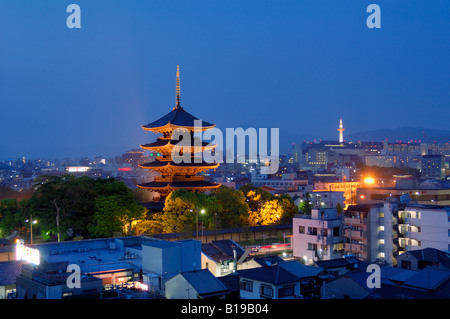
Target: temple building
{"points": [[176, 174]]}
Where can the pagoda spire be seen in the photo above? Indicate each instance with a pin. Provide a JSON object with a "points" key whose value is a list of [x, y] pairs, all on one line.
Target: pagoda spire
{"points": [[178, 105]]}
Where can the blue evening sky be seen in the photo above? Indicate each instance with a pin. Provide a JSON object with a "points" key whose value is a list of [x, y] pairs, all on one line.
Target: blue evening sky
{"points": [[298, 65]]}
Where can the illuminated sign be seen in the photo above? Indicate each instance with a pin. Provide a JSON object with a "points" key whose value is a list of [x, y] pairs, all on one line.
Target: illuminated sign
{"points": [[124, 169], [27, 254], [77, 169]]}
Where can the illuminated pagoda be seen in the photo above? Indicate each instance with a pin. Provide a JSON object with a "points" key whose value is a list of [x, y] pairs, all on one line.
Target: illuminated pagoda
{"points": [[178, 174]]}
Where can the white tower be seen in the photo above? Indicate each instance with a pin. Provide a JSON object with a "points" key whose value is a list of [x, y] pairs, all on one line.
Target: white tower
{"points": [[341, 130]]}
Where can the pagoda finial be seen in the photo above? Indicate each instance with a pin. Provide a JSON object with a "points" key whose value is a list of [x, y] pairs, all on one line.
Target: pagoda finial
{"points": [[178, 105]]}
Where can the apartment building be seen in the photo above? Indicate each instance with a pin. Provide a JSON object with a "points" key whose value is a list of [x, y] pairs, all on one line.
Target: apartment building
{"points": [[317, 236], [423, 226], [368, 232]]}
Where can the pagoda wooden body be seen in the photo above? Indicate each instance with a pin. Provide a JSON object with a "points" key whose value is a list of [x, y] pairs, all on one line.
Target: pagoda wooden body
{"points": [[175, 174]]}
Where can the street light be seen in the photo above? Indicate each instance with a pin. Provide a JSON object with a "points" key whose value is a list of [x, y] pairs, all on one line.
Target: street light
{"points": [[196, 224], [31, 221]]}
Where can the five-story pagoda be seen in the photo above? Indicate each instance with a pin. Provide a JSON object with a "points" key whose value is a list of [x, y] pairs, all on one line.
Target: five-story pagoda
{"points": [[178, 174]]}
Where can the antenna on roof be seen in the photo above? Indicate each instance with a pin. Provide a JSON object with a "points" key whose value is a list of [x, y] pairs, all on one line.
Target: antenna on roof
{"points": [[178, 105]]}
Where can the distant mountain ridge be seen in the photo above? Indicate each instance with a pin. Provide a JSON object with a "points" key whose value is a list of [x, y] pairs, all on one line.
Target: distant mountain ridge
{"points": [[424, 135]]}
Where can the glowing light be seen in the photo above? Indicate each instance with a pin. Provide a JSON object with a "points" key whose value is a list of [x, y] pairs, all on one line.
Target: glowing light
{"points": [[141, 286], [124, 169], [27, 254], [369, 180], [77, 169]]}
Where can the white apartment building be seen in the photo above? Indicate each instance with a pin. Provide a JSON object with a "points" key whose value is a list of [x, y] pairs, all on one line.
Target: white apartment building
{"points": [[368, 232], [424, 226], [318, 236]]}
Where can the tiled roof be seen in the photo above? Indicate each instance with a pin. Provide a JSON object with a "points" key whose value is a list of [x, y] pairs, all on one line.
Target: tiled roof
{"points": [[204, 282], [179, 184], [432, 255], [428, 278], [157, 164], [268, 260], [179, 117], [219, 250], [270, 274], [8, 272]]}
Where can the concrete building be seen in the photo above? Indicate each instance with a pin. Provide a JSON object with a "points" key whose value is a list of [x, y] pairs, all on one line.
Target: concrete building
{"points": [[349, 189], [420, 258], [318, 236], [433, 166], [199, 284], [425, 193], [220, 257], [103, 265], [424, 226], [382, 160], [368, 232], [395, 283], [8, 272], [287, 280], [327, 199]]}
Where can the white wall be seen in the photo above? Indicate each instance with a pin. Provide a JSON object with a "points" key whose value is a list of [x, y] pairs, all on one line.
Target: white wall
{"points": [[178, 288]]}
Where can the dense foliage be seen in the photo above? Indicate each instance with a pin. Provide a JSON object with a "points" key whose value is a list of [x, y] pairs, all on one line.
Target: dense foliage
{"points": [[67, 207]]}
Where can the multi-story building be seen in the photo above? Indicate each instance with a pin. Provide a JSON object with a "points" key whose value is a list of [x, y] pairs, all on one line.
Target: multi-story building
{"points": [[382, 160], [103, 263], [423, 226], [368, 232], [317, 236], [423, 196], [348, 188], [433, 166]]}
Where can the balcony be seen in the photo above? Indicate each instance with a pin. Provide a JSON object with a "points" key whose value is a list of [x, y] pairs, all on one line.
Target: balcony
{"points": [[352, 221], [357, 248], [356, 234], [328, 240]]}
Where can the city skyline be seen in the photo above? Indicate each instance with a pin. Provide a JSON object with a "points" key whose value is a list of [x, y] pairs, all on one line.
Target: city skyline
{"points": [[296, 66]]}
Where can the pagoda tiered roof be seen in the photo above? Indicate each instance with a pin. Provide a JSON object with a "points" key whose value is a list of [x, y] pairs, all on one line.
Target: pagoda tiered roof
{"points": [[177, 118], [166, 146], [176, 175]]}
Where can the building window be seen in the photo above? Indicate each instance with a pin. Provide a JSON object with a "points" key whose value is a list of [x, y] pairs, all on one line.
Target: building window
{"points": [[336, 231], [286, 291], [266, 291], [406, 264], [246, 285], [301, 229]]}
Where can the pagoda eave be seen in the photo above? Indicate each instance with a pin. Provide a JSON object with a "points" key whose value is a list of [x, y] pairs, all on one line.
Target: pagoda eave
{"points": [[169, 127]]}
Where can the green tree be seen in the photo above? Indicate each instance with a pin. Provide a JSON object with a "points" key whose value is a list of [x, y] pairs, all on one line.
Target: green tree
{"points": [[64, 202], [232, 207], [115, 214], [305, 206], [288, 206], [12, 217]]}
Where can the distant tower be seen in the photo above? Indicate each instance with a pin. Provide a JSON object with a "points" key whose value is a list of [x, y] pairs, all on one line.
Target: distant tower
{"points": [[341, 130]]}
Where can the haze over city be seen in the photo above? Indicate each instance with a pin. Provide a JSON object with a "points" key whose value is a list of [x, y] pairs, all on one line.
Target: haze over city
{"points": [[299, 66]]}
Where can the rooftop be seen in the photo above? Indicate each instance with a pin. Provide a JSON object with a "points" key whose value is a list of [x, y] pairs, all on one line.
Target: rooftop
{"points": [[204, 282], [178, 117]]}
